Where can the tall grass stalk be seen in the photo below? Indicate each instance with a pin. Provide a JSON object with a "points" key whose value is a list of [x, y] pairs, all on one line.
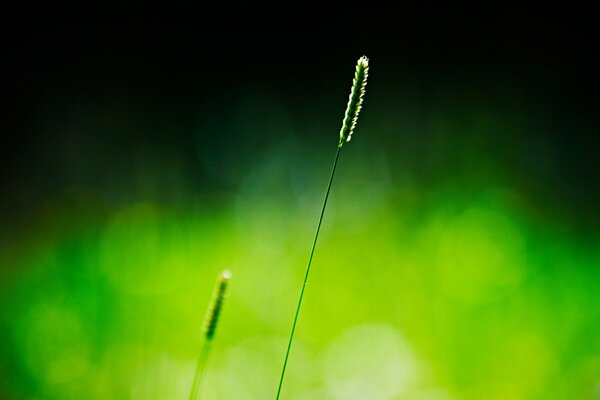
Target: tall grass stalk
{"points": [[348, 125], [209, 329]]}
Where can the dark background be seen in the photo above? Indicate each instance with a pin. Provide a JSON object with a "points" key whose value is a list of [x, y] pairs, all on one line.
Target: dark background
{"points": [[163, 63]]}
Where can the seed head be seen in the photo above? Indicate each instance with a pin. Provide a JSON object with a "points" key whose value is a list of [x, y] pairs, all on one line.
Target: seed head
{"points": [[355, 100], [212, 315]]}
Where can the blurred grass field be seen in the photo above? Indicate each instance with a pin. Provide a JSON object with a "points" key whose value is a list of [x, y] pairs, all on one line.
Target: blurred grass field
{"points": [[457, 260]]}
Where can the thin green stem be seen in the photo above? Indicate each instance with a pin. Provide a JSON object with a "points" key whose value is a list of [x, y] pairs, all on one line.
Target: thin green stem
{"points": [[312, 252], [202, 361]]}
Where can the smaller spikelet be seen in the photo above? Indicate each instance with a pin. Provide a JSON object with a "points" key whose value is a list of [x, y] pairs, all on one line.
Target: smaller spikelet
{"points": [[355, 101], [216, 305]]}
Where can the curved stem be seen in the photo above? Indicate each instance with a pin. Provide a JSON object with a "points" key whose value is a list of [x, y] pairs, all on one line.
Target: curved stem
{"points": [[312, 252], [202, 361]]}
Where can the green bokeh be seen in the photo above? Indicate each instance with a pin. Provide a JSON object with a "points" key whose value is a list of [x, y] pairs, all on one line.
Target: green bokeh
{"points": [[441, 272]]}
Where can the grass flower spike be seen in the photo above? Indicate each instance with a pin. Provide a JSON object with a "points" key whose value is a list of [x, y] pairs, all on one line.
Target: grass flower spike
{"points": [[212, 316], [355, 100], [354, 105], [209, 328]]}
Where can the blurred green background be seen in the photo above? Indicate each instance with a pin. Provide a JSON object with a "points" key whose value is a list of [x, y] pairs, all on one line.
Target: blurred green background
{"points": [[146, 150]]}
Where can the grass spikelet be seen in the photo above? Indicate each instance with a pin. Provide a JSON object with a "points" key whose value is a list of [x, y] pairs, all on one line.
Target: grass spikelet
{"points": [[355, 100], [209, 328], [214, 311], [348, 125]]}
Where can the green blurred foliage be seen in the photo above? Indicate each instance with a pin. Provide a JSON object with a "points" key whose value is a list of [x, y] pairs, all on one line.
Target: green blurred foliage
{"points": [[445, 268]]}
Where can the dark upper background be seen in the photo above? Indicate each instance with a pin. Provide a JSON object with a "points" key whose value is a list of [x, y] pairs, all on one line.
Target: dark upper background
{"points": [[141, 69]]}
